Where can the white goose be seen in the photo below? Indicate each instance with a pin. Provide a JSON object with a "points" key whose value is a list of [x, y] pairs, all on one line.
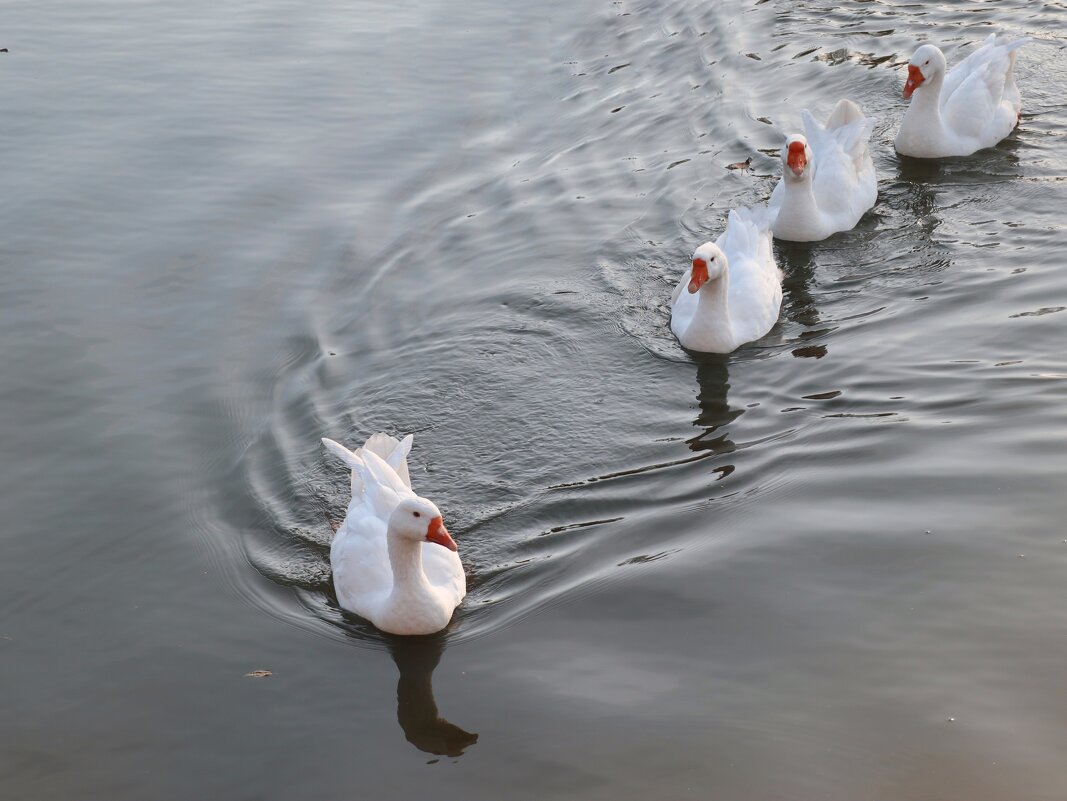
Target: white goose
{"points": [[972, 107], [734, 287], [828, 179], [388, 562]]}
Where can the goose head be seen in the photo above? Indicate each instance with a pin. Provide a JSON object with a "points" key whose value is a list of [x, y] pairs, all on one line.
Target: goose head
{"points": [[796, 157], [925, 65], [709, 263], [418, 520]]}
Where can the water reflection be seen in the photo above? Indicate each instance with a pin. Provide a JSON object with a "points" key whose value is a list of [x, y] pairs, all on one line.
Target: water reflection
{"points": [[917, 178], [925, 170], [713, 381], [416, 709], [796, 260]]}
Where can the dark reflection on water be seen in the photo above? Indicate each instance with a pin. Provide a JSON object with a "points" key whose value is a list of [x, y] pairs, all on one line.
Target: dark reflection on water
{"points": [[796, 260], [713, 379], [416, 708], [919, 170]]}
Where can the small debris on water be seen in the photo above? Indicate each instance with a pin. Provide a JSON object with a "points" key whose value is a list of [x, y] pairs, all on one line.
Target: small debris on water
{"points": [[951, 720], [740, 165], [259, 674]]}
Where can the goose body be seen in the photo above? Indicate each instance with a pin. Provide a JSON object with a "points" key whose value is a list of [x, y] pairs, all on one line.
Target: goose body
{"points": [[959, 111], [828, 179], [733, 292], [393, 561]]}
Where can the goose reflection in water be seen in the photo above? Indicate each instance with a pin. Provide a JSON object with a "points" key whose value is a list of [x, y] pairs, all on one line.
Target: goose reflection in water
{"points": [[416, 710], [797, 260], [713, 379], [919, 179]]}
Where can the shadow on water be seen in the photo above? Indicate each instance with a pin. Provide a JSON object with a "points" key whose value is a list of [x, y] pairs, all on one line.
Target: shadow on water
{"points": [[416, 708]]}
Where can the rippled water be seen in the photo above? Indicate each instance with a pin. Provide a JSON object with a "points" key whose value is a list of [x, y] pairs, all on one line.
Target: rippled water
{"points": [[829, 566]]}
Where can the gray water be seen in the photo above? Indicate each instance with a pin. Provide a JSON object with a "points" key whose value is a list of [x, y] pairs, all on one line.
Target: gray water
{"points": [[828, 567]]}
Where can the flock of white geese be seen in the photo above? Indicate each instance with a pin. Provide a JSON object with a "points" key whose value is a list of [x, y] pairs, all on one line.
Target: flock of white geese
{"points": [[394, 562], [828, 184]]}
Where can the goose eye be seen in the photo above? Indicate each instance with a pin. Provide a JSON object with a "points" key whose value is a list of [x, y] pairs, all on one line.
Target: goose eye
{"points": [[417, 514]]}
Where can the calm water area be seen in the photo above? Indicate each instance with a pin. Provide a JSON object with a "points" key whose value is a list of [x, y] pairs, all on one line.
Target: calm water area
{"points": [[831, 566]]}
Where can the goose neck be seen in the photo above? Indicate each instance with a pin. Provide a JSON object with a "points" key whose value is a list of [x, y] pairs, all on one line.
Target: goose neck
{"points": [[799, 192], [405, 558], [712, 300], [926, 101], [798, 218]]}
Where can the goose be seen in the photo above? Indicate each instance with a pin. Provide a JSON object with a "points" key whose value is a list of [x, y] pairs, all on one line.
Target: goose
{"points": [[828, 179], [971, 107], [734, 287], [394, 562]]}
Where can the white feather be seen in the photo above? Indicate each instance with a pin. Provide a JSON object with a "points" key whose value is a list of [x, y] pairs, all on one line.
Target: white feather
{"points": [[838, 186], [965, 109], [360, 556], [741, 302]]}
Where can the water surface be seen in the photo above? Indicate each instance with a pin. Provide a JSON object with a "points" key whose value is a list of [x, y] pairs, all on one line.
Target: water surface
{"points": [[829, 566]]}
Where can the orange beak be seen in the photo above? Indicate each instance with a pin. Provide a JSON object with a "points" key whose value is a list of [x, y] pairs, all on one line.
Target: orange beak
{"points": [[796, 159], [436, 532], [699, 276], [915, 80]]}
